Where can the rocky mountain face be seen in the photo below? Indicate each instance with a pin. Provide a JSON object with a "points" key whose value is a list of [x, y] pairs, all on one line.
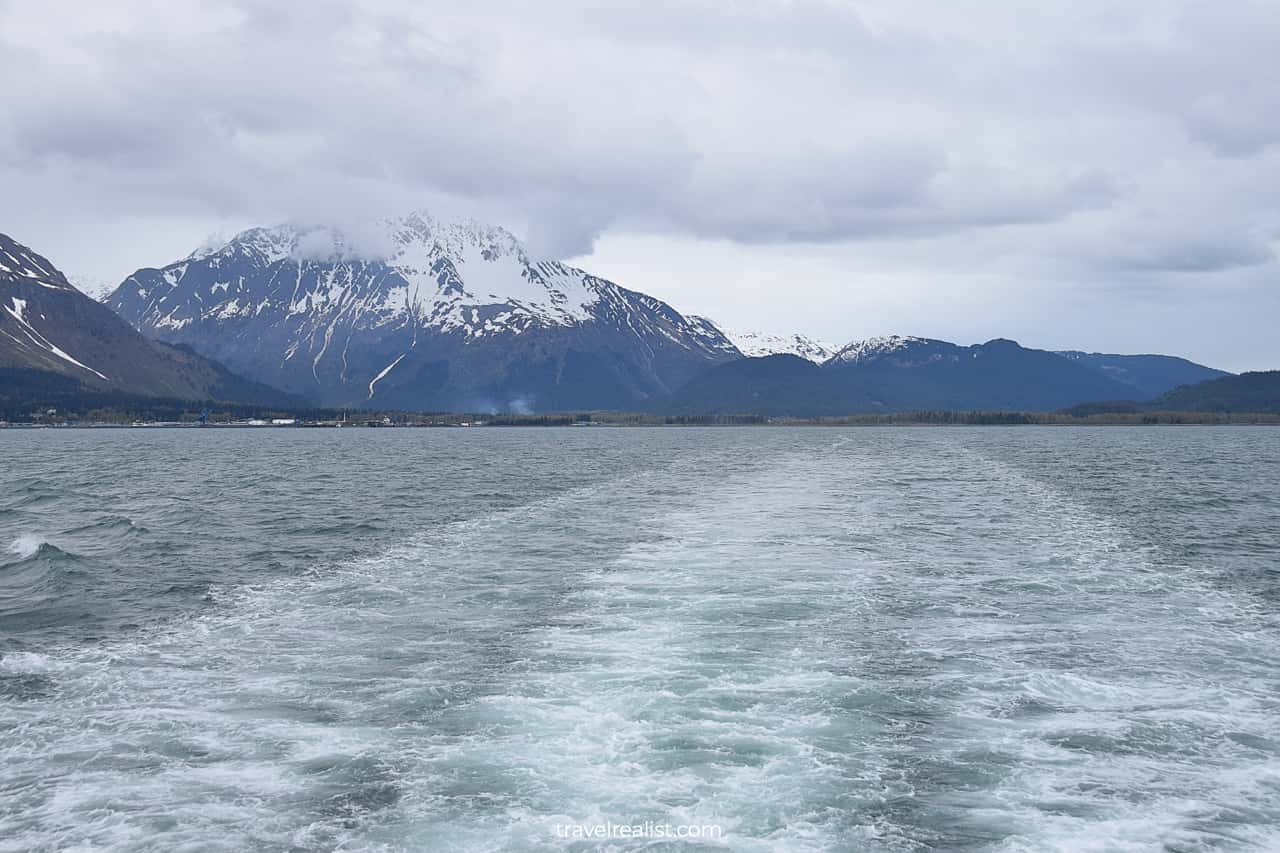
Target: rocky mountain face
{"points": [[422, 315], [50, 333]]}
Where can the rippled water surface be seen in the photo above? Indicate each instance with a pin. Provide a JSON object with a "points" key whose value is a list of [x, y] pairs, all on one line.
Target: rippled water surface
{"points": [[814, 639]]}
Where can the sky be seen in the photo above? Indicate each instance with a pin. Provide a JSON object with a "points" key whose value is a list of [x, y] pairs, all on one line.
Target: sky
{"points": [[1081, 174]]}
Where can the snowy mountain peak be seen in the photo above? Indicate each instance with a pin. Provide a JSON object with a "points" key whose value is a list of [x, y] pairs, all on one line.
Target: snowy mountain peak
{"points": [[400, 301], [441, 272], [757, 344], [872, 348], [265, 245], [378, 240], [450, 237]]}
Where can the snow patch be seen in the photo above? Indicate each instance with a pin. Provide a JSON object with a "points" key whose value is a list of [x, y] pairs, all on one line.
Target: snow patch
{"points": [[41, 341], [757, 344], [384, 372], [65, 357], [860, 351]]}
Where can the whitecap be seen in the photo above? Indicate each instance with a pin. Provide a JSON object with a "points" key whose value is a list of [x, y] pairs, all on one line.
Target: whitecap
{"points": [[27, 545], [26, 663]]}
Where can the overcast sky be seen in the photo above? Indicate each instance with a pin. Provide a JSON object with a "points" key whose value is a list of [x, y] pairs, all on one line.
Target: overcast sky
{"points": [[1084, 174]]}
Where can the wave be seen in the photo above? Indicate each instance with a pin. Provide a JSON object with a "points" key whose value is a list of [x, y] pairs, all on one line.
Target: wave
{"points": [[34, 546], [27, 545], [30, 494], [27, 663], [42, 579]]}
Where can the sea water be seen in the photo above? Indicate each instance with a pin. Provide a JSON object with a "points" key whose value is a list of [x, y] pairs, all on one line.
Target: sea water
{"points": [[775, 639]]}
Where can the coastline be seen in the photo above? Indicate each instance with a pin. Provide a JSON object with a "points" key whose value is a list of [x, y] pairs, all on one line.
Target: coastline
{"points": [[948, 419]]}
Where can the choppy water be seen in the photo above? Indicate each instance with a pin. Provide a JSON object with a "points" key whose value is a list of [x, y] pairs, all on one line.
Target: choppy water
{"points": [[910, 639]]}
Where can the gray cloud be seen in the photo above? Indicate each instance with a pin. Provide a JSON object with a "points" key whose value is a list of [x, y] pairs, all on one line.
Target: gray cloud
{"points": [[247, 104], [1079, 141]]}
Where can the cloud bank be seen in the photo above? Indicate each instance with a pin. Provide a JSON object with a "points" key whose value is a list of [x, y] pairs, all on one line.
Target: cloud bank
{"points": [[1126, 146]]}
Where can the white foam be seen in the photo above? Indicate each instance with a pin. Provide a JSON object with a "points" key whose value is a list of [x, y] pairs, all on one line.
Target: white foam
{"points": [[27, 545], [27, 663]]}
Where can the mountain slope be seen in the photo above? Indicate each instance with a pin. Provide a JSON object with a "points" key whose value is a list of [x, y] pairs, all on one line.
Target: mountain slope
{"points": [[430, 315], [1257, 392], [50, 329], [760, 344], [775, 385], [904, 373], [1149, 375]]}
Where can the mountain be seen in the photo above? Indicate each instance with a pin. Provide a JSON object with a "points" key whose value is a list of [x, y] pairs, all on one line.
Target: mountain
{"points": [[1149, 375], [420, 314], [1247, 393], [1257, 392], [51, 334], [902, 373], [782, 385], [897, 374], [759, 344]]}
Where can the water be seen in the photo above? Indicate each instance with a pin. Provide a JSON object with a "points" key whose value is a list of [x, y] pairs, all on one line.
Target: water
{"points": [[812, 639]]}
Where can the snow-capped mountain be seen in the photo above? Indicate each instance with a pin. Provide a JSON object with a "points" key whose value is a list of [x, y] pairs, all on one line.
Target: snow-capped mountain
{"points": [[759, 344], [50, 333], [874, 349], [419, 314]]}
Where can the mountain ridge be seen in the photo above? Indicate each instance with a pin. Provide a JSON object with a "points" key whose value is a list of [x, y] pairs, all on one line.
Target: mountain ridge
{"points": [[1253, 392], [897, 373], [1149, 373], [49, 328]]}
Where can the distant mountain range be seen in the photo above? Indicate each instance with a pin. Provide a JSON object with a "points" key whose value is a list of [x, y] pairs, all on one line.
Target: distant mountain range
{"points": [[425, 315], [1148, 375], [1248, 393], [899, 373], [52, 336]]}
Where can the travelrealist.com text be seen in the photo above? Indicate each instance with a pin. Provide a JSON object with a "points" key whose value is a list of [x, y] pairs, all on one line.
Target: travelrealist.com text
{"points": [[643, 829]]}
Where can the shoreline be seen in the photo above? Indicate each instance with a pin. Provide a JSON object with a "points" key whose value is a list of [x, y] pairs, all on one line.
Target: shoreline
{"points": [[1179, 420]]}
